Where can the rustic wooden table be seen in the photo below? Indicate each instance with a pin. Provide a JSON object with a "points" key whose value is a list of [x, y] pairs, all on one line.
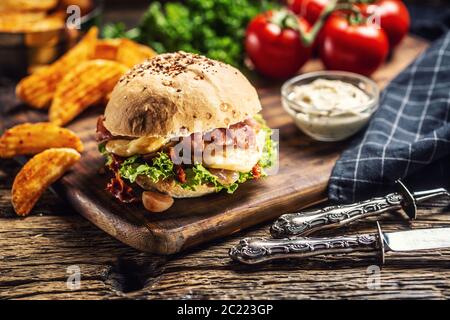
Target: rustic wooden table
{"points": [[38, 252]]}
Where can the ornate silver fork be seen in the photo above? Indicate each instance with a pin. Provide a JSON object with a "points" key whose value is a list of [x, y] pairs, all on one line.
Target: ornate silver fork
{"points": [[308, 222]]}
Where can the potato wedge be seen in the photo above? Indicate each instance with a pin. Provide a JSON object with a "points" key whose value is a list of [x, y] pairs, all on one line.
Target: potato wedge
{"points": [[27, 5], [123, 50], [24, 23], [16, 21], [82, 87], [17, 17], [131, 53], [38, 174], [107, 49], [32, 138], [54, 21], [38, 88]]}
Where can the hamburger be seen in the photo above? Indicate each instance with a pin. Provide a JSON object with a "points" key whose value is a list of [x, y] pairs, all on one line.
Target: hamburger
{"points": [[185, 126]]}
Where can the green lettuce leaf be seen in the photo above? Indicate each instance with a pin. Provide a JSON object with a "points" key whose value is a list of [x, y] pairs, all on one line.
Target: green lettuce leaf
{"points": [[268, 157], [244, 176], [198, 175], [269, 153], [102, 150], [162, 167]]}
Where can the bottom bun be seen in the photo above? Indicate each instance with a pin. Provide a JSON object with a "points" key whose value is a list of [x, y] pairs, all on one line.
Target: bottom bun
{"points": [[172, 188]]}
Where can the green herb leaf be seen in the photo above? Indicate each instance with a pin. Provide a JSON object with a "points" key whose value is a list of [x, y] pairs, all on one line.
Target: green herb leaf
{"points": [[102, 150], [269, 154], [161, 169], [215, 28], [198, 175]]}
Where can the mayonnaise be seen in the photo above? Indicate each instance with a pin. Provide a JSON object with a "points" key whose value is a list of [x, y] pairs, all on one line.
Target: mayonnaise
{"points": [[329, 109]]}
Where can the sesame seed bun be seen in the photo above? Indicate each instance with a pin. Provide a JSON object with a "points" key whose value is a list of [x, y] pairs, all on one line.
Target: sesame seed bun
{"points": [[176, 94]]}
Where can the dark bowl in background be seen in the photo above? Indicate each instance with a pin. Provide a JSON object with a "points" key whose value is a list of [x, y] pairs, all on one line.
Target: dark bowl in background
{"points": [[22, 52]]}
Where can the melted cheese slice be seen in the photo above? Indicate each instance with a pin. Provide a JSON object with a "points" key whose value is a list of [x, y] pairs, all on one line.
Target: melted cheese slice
{"points": [[236, 159], [128, 148]]}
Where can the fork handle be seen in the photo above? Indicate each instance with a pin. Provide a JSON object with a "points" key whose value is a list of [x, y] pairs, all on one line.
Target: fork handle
{"points": [[307, 222], [256, 250]]}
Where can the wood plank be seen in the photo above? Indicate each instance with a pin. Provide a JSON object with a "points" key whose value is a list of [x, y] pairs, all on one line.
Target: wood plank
{"points": [[305, 167], [36, 252]]}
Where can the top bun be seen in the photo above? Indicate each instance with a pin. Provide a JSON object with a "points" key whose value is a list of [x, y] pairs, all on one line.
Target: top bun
{"points": [[176, 94]]}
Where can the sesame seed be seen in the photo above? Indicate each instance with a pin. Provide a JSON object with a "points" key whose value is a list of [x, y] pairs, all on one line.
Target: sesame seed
{"points": [[171, 65]]}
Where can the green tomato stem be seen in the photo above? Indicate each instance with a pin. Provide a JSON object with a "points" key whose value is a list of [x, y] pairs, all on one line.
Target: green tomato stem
{"points": [[355, 17], [285, 19], [308, 38]]}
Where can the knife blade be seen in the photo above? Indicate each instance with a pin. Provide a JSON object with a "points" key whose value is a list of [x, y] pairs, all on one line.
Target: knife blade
{"points": [[421, 239], [307, 222], [257, 250]]}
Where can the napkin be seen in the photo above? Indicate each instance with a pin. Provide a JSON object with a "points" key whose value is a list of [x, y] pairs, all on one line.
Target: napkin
{"points": [[408, 137]]}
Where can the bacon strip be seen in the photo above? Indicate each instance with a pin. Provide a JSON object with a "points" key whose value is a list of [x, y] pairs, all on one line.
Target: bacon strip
{"points": [[257, 171], [102, 134], [120, 190], [181, 175], [242, 135], [117, 187]]}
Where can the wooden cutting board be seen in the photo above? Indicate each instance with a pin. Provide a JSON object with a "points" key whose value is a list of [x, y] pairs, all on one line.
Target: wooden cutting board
{"points": [[305, 167]]}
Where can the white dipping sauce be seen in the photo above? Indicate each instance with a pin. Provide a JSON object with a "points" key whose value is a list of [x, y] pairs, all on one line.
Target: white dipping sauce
{"points": [[329, 109]]}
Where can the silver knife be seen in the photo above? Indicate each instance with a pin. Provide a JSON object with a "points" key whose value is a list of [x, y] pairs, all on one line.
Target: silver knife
{"points": [[307, 222], [256, 250]]}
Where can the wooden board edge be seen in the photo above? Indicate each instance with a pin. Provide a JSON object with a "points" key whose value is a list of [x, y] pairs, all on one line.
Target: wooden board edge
{"points": [[176, 240]]}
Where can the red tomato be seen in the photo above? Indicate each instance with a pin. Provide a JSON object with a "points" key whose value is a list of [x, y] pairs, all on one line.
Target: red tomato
{"points": [[308, 9], [359, 48], [393, 17], [276, 50]]}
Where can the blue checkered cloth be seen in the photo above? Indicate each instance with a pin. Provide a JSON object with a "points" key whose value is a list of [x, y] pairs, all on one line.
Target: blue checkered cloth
{"points": [[408, 137]]}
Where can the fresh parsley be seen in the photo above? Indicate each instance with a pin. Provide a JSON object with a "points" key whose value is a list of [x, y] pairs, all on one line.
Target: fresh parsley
{"points": [[215, 28]]}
